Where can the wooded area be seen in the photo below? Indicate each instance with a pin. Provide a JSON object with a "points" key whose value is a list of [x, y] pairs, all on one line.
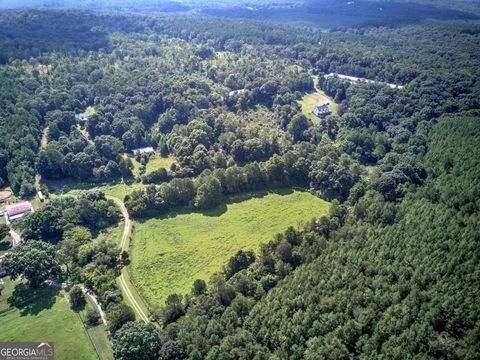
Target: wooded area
{"points": [[392, 272]]}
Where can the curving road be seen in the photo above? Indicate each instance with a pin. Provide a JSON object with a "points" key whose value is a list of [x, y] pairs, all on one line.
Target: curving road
{"points": [[124, 246]]}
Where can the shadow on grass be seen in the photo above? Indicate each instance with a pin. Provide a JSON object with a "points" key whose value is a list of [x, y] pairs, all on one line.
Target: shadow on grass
{"points": [[220, 209], [32, 301]]}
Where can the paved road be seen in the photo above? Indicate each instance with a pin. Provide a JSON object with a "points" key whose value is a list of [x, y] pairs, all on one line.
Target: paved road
{"points": [[123, 246], [354, 79]]}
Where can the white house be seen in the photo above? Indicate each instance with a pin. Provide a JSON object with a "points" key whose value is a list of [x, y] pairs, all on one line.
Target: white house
{"points": [[16, 211], [144, 150], [81, 117]]}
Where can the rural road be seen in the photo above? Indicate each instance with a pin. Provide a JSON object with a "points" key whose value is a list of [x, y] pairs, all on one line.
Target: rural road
{"points": [[123, 246], [17, 239], [354, 79]]}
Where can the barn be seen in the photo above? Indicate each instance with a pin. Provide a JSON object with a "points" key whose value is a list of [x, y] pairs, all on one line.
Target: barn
{"points": [[16, 211]]}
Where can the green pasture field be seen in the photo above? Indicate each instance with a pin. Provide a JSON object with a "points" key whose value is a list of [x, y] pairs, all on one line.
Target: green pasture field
{"points": [[170, 252], [43, 315]]}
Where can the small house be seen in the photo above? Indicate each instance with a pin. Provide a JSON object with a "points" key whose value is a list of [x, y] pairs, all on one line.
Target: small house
{"points": [[141, 151], [322, 110], [41, 197], [81, 117], [16, 211], [236, 92]]}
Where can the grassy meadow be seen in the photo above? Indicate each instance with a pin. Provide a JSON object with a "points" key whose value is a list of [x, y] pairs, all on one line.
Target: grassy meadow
{"points": [[43, 315], [156, 162], [170, 252]]}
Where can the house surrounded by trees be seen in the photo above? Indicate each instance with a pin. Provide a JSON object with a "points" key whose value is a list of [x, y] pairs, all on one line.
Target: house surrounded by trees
{"points": [[141, 151], [322, 110]]}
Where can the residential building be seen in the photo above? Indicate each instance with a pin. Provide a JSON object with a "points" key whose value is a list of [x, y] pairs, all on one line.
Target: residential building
{"points": [[144, 150], [322, 110], [16, 211]]}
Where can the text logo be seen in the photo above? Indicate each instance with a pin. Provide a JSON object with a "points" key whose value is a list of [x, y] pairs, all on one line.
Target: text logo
{"points": [[26, 350]]}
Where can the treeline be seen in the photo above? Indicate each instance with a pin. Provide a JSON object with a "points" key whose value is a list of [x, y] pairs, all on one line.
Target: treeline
{"points": [[207, 190]]}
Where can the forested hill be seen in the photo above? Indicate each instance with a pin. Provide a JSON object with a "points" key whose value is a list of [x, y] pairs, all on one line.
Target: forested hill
{"points": [[394, 281]]}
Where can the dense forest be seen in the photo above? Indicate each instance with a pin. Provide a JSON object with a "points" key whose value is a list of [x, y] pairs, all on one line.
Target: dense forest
{"points": [[392, 272]]}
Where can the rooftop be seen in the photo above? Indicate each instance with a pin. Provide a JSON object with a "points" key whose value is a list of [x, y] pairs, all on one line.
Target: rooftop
{"points": [[18, 208], [144, 150]]}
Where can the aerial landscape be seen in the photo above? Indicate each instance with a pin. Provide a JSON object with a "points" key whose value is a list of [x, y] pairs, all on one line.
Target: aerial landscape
{"points": [[262, 179]]}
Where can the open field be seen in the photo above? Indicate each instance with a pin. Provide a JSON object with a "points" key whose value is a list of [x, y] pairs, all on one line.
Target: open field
{"points": [[311, 100], [170, 252], [156, 162], [70, 187], [43, 315]]}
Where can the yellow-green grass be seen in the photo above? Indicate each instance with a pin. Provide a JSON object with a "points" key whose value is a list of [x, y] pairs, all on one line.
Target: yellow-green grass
{"points": [[116, 190], [170, 252], [311, 100], [43, 315], [156, 162]]}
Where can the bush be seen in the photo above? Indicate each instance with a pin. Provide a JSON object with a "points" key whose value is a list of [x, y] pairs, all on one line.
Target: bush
{"points": [[118, 315], [93, 317], [77, 299]]}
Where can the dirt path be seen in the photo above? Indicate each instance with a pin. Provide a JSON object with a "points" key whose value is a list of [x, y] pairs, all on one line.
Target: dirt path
{"points": [[16, 238], [86, 291], [124, 247]]}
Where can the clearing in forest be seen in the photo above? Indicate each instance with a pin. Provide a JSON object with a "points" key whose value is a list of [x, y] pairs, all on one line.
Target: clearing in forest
{"points": [[156, 162], [311, 100], [170, 252]]}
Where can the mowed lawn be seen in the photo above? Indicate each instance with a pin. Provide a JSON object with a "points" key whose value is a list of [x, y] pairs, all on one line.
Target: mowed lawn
{"points": [[310, 101], [169, 253], [44, 316]]}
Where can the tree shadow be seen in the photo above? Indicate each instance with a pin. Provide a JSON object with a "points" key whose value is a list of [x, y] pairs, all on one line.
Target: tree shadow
{"points": [[220, 209], [32, 301]]}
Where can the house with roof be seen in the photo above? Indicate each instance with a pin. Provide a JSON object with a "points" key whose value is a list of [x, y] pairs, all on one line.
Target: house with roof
{"points": [[141, 151], [322, 110], [82, 117], [16, 211], [236, 92]]}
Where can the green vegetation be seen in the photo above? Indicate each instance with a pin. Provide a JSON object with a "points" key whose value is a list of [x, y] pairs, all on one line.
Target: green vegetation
{"points": [[43, 315], [391, 272], [170, 252], [154, 163], [380, 279], [116, 190]]}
